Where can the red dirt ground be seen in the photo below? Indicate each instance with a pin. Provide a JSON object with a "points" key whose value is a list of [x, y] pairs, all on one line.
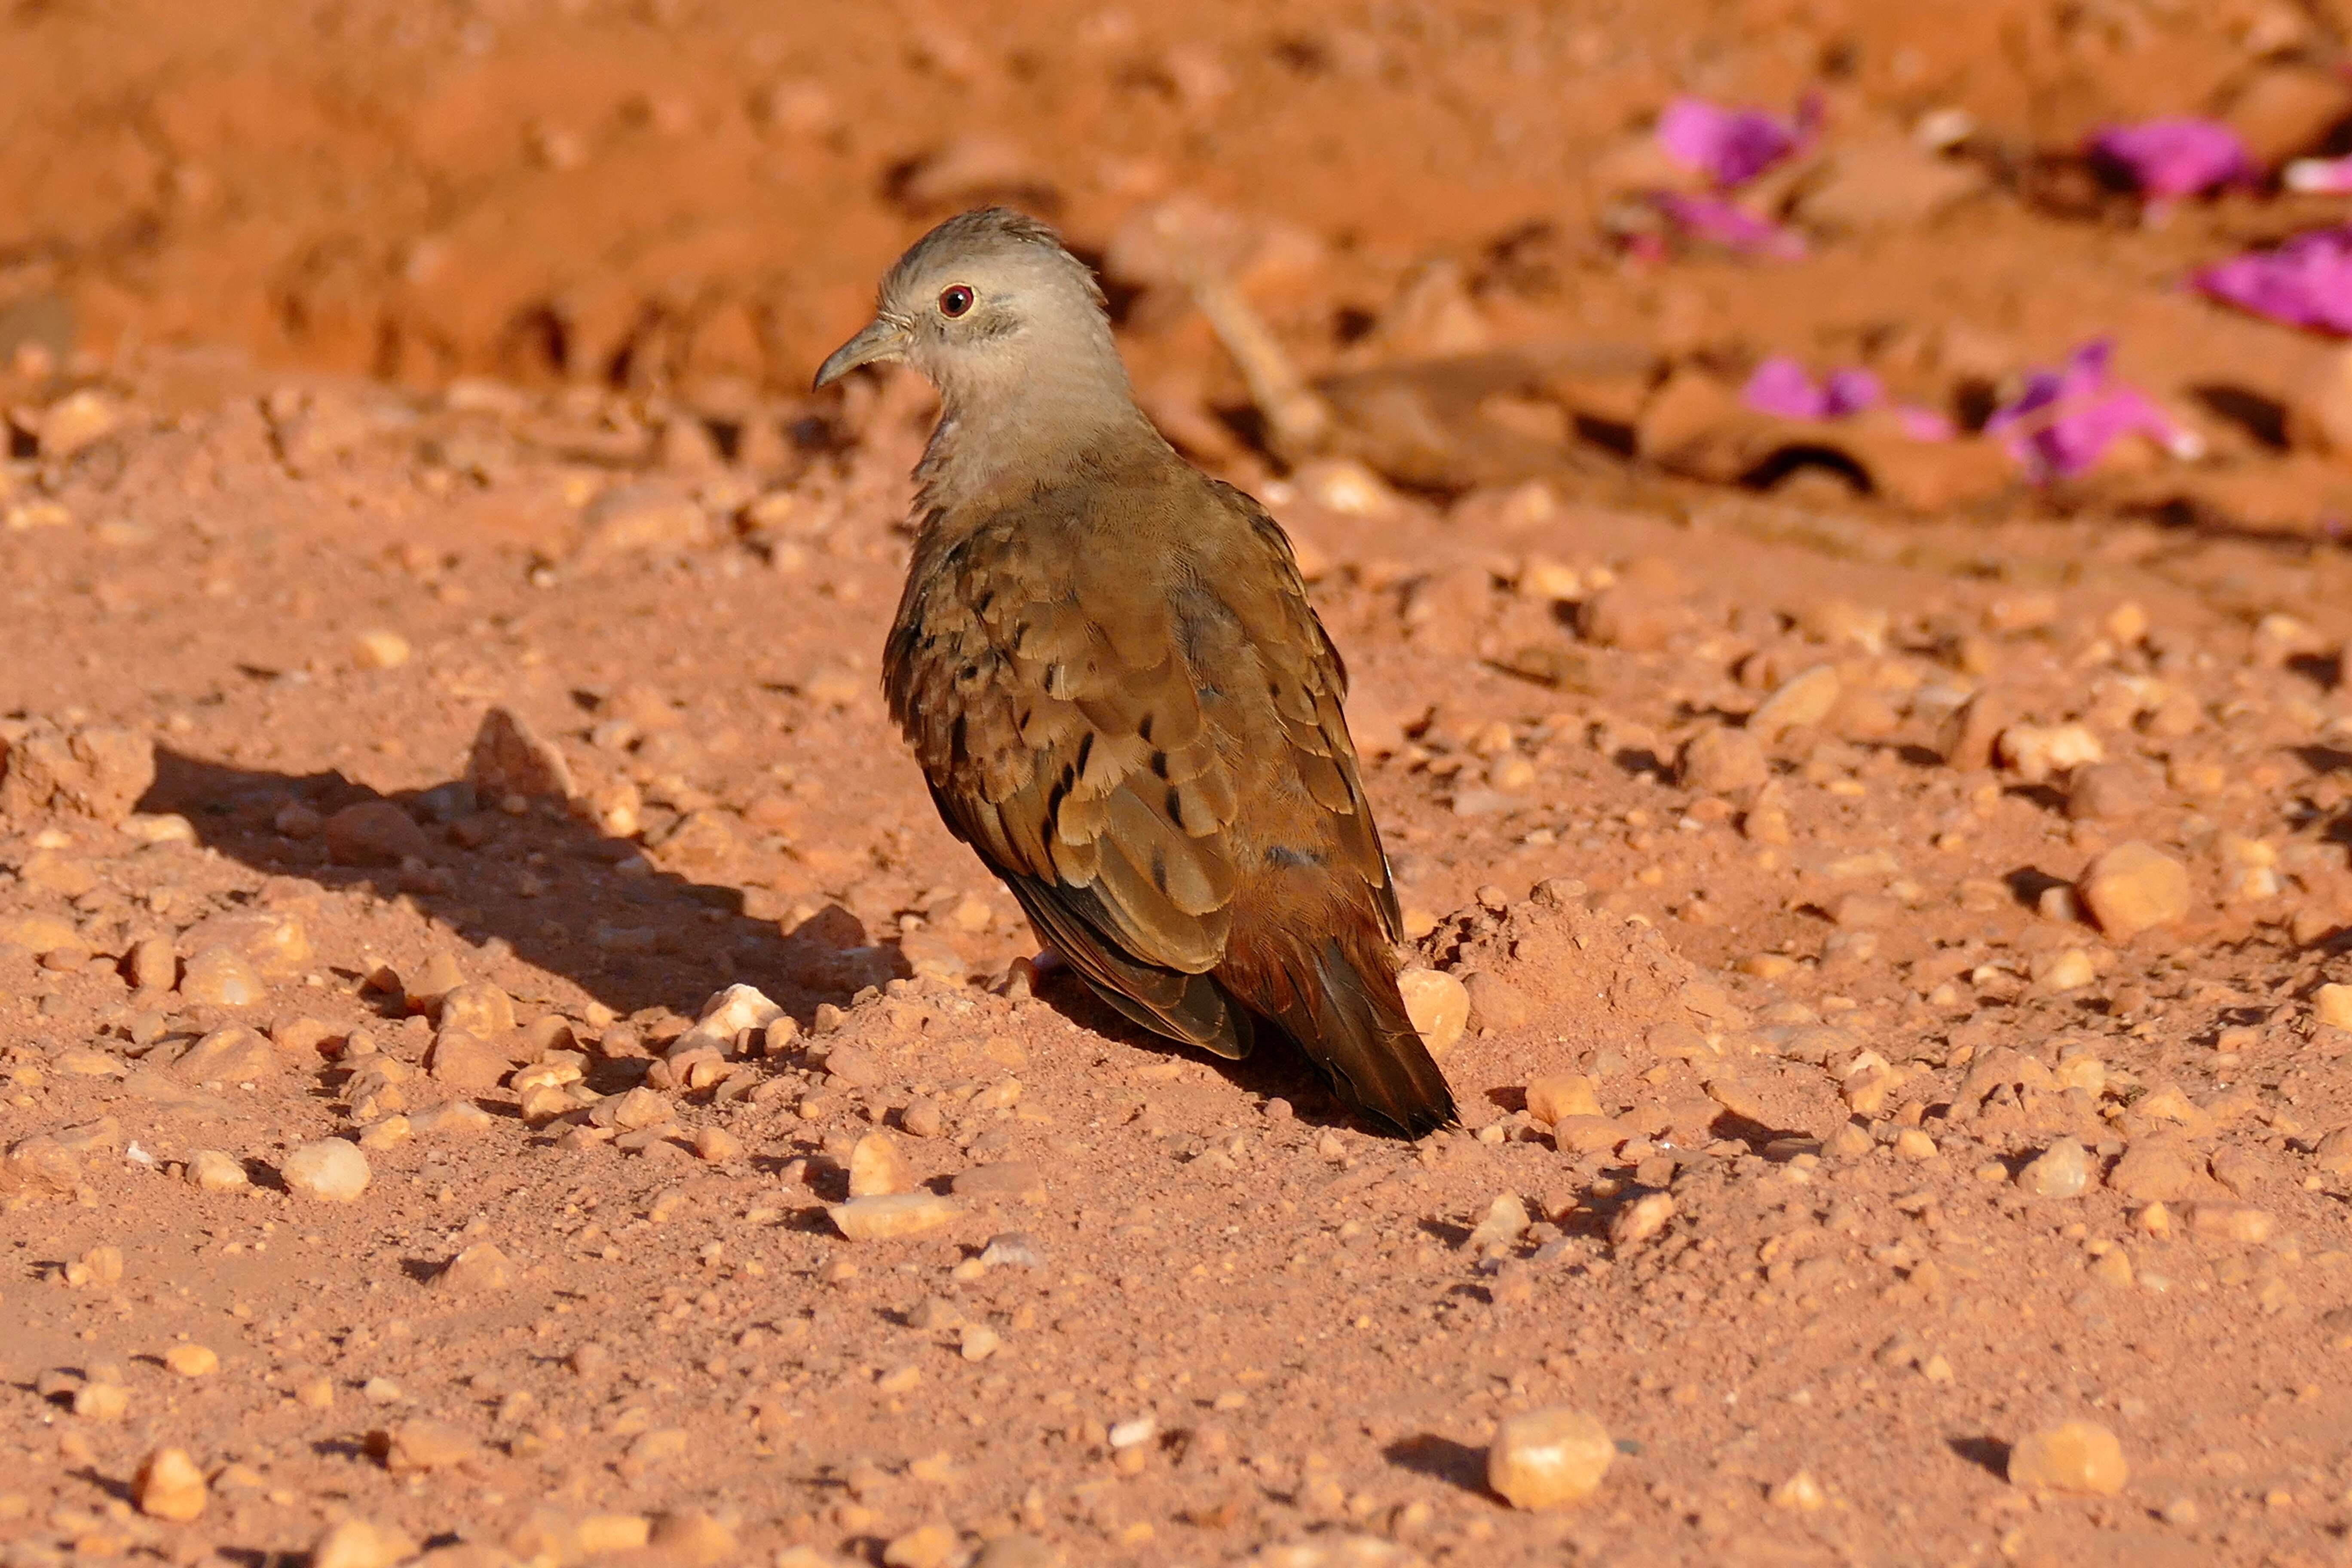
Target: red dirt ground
{"points": [[372, 368]]}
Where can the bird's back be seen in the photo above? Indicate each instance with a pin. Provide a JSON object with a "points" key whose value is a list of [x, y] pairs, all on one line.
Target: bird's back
{"points": [[1121, 697]]}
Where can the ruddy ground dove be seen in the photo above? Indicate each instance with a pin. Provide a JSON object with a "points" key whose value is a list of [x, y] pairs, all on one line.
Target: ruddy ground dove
{"points": [[1118, 690]]}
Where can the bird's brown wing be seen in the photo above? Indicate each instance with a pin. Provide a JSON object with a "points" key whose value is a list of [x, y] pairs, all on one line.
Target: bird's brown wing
{"points": [[1051, 705], [1307, 681]]}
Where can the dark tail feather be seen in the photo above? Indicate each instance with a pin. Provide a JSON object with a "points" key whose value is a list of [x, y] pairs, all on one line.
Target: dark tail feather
{"points": [[1344, 1011]]}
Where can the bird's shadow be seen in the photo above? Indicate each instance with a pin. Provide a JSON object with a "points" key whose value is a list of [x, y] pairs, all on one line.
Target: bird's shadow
{"points": [[683, 938], [648, 940], [1276, 1068]]}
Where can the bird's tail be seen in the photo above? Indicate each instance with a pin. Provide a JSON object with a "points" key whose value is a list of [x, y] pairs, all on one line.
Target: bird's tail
{"points": [[1338, 998]]}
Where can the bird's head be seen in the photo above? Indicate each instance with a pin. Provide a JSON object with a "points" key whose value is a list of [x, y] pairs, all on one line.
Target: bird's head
{"points": [[987, 306]]}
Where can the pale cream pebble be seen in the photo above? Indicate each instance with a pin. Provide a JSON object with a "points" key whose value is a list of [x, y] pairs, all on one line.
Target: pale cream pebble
{"points": [[979, 1342], [328, 1171], [1555, 1096], [1802, 700], [2037, 752], [2061, 1171], [2333, 1153], [1800, 1494], [692, 1539], [1548, 1458], [101, 1399], [380, 650], [153, 964], [168, 1486], [925, 1546], [717, 1145], [1640, 1220], [100, 1265], [1913, 1144], [220, 977], [2069, 968], [2134, 887], [359, 1544], [481, 1267], [216, 1170], [1438, 1006], [2332, 1006], [390, 1132], [889, 1217], [411, 1448], [317, 1393], [1850, 1142], [382, 1391], [1505, 1221], [2073, 1457], [641, 1108], [1723, 761], [190, 1360], [478, 1007], [454, 1118], [878, 1167], [1587, 1134]]}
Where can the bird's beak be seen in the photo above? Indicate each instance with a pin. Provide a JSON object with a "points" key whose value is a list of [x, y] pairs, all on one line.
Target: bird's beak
{"points": [[885, 338]]}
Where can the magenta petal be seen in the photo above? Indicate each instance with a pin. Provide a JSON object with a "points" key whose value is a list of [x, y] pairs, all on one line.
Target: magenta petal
{"points": [[1780, 386], [2066, 420], [2178, 155], [1729, 146], [2307, 282], [1720, 223], [1850, 392]]}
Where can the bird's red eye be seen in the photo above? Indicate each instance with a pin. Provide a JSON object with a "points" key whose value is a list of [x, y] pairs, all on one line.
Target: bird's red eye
{"points": [[954, 300]]}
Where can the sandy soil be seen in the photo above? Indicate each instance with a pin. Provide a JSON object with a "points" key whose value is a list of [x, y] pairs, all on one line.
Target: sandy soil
{"points": [[442, 650]]}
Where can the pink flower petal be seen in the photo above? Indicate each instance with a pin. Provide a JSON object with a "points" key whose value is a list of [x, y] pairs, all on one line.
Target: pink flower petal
{"points": [[2177, 155], [2066, 420], [2307, 282], [1729, 146], [1780, 386]]}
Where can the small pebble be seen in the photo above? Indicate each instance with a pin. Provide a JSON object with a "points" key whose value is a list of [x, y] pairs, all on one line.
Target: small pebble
{"points": [[168, 1486], [1641, 1219], [416, 1447], [927, 1546], [2132, 887], [2073, 1457], [358, 1543], [1800, 1493], [481, 1267], [2061, 1171], [380, 650], [878, 1167], [1438, 1006], [191, 1360], [717, 1145], [890, 1216], [1556, 1097], [2332, 1006], [692, 1539], [329, 1171], [220, 977], [1548, 1459]]}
